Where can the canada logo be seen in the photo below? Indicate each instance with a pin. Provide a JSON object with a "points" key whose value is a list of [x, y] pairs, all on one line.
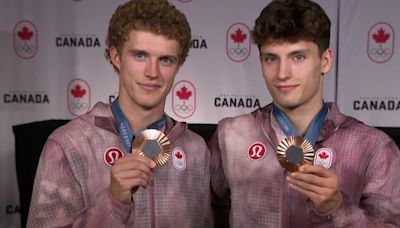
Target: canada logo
{"points": [[380, 42], [184, 99], [78, 97], [25, 39], [179, 159], [238, 45], [324, 157]]}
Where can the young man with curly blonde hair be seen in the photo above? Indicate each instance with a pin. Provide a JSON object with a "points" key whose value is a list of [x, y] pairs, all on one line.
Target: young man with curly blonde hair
{"points": [[90, 175]]}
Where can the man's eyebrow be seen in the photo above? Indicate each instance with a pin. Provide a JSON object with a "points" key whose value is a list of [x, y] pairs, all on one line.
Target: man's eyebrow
{"points": [[267, 54], [134, 51], [295, 52]]}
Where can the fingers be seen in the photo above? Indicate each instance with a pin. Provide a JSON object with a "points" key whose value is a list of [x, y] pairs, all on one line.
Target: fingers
{"points": [[313, 175], [133, 157], [131, 167], [314, 178], [312, 195], [133, 162], [315, 169], [128, 173], [315, 182], [303, 183], [316, 192]]}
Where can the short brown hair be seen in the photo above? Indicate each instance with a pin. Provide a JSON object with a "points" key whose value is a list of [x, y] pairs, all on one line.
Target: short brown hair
{"points": [[293, 20], [157, 16]]}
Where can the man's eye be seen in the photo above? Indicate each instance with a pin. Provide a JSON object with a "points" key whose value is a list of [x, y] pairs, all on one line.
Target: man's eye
{"points": [[139, 55], [299, 57], [269, 59], [167, 60]]}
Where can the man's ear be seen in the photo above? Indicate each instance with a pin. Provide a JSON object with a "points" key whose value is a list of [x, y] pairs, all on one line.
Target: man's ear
{"points": [[115, 57], [327, 59]]}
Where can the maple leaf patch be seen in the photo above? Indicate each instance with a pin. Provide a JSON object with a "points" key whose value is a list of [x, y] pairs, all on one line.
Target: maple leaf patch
{"points": [[178, 155], [324, 155]]}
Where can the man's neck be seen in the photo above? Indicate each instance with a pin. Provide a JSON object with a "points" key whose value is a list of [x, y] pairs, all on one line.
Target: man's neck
{"points": [[302, 117], [138, 117]]}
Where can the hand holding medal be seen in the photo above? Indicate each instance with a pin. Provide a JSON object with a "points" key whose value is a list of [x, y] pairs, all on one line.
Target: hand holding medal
{"points": [[153, 144]]}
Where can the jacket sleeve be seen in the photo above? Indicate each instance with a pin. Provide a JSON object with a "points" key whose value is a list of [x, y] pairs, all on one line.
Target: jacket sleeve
{"points": [[220, 191], [379, 205], [58, 199]]}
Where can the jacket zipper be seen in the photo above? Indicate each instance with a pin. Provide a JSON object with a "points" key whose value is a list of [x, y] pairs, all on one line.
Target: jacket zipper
{"points": [[152, 205]]}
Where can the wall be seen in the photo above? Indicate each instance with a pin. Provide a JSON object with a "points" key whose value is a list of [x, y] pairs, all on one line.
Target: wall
{"points": [[52, 66]]}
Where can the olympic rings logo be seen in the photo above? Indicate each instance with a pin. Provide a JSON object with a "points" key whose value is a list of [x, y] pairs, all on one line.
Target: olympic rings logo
{"points": [[184, 108], [240, 52], [381, 52], [25, 48], [79, 106]]}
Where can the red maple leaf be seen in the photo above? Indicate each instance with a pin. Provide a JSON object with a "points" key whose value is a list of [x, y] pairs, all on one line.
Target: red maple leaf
{"points": [[78, 92], [25, 34], [184, 94], [178, 155], [381, 36], [238, 36], [324, 155]]}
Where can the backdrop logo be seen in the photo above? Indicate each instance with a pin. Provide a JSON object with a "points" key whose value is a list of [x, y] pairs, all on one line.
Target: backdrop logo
{"points": [[12, 209], [388, 103], [198, 42], [184, 99], [25, 39], [380, 42], [77, 40], [78, 97], [238, 45], [236, 101], [26, 97]]}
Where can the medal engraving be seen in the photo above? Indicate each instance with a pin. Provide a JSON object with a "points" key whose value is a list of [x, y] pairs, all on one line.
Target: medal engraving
{"points": [[153, 144], [294, 152]]}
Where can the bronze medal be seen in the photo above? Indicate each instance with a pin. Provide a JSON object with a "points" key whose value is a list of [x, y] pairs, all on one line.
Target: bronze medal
{"points": [[153, 144], [294, 152]]}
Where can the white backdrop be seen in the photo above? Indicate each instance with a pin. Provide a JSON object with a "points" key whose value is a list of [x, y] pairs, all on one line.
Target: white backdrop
{"points": [[369, 66], [52, 66]]}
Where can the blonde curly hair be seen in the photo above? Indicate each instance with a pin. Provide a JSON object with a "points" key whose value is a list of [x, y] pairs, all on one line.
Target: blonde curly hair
{"points": [[157, 16]]}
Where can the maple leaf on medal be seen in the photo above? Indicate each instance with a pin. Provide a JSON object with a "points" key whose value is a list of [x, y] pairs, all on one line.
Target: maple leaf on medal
{"points": [[78, 92], [238, 36], [184, 94]]}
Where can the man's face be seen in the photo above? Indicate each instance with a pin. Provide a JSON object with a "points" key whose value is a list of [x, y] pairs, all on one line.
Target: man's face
{"points": [[292, 72], [147, 66]]}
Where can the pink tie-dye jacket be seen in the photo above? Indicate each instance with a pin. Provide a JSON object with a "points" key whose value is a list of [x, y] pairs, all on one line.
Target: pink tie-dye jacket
{"points": [[366, 161], [71, 187]]}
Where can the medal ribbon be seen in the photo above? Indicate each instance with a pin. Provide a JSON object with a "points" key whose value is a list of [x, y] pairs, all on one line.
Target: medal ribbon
{"points": [[125, 132], [312, 131]]}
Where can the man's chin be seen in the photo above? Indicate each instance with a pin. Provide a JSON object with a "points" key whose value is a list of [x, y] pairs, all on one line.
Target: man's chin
{"points": [[148, 106], [286, 105]]}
